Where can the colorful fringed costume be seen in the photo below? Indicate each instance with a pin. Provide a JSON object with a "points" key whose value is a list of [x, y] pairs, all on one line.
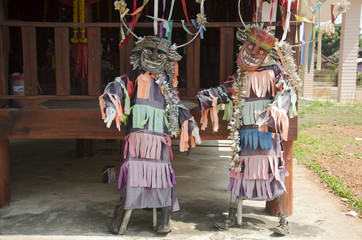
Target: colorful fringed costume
{"points": [[146, 101], [146, 178], [257, 172], [256, 101]]}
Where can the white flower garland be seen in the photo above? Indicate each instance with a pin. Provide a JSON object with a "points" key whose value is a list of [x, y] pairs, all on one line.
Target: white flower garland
{"points": [[170, 94], [236, 119]]}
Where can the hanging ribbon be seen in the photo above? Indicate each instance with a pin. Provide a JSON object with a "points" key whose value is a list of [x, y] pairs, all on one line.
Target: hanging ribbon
{"points": [[271, 11], [318, 7], [165, 24], [310, 51], [185, 10], [286, 28], [170, 22], [200, 28], [163, 15], [332, 15], [155, 16], [302, 55]]}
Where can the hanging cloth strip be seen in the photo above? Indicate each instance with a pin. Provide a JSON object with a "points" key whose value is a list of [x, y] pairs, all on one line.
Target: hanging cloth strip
{"points": [[200, 28], [252, 138], [147, 174], [146, 145], [261, 83], [252, 109], [311, 46], [185, 10]]}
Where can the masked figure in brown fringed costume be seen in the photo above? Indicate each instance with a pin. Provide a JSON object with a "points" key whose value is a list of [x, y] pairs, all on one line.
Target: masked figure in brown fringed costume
{"points": [[146, 100], [256, 99]]}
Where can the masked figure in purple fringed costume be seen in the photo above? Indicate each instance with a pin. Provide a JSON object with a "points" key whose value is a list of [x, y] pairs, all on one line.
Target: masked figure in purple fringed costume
{"points": [[257, 100], [146, 100]]}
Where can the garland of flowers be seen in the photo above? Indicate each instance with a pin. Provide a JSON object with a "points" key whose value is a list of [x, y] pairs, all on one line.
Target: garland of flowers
{"points": [[236, 119], [78, 16], [82, 20], [74, 39], [171, 104], [292, 68]]}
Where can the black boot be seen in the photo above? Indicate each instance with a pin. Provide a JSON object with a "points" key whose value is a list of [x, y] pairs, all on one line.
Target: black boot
{"points": [[117, 219], [166, 217], [229, 221], [284, 227]]}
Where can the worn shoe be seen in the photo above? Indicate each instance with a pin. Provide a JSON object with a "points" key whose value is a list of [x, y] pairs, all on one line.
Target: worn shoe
{"points": [[228, 222], [283, 228]]}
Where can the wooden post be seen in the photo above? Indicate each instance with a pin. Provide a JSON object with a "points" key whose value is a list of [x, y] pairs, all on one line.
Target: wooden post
{"points": [[193, 66], [286, 201], [30, 60], [226, 52], [62, 75], [4, 173], [4, 53], [85, 148]]}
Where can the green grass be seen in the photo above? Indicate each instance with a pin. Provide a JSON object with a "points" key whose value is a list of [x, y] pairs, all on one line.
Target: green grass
{"points": [[314, 113], [309, 149]]}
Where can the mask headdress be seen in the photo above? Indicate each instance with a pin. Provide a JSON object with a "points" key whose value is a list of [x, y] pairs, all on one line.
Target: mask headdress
{"points": [[145, 53]]}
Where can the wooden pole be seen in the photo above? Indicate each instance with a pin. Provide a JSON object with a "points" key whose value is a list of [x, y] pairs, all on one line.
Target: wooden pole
{"points": [[4, 173]]}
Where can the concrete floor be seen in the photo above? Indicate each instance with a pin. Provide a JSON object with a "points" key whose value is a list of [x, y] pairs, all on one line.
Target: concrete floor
{"points": [[58, 196]]}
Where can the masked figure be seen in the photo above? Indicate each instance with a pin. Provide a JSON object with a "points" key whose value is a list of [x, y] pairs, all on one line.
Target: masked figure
{"points": [[257, 99], [146, 99]]}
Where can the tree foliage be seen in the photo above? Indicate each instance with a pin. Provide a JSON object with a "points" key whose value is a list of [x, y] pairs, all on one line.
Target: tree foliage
{"points": [[330, 45]]}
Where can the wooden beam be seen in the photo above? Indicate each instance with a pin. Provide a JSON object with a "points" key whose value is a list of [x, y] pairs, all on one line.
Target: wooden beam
{"points": [[226, 52], [4, 173], [30, 60], [62, 72], [94, 61], [193, 66], [55, 124]]}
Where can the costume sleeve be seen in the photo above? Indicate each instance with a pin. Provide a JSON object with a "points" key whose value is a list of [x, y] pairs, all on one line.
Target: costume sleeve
{"points": [[214, 99], [188, 124], [116, 96], [275, 115]]}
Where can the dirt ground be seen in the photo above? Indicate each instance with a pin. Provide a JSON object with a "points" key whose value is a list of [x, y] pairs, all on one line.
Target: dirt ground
{"points": [[342, 155]]}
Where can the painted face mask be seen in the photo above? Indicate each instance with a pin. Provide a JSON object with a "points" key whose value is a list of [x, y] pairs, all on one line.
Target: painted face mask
{"points": [[255, 49], [154, 54]]}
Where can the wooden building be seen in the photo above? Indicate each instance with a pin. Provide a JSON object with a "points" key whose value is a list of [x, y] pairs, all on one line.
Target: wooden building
{"points": [[35, 40]]}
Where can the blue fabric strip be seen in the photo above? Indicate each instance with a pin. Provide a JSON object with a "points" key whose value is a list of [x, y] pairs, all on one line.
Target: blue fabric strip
{"points": [[252, 138]]}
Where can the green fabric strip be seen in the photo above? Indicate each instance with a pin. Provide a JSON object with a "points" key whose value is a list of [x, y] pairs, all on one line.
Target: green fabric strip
{"points": [[251, 111], [154, 117]]}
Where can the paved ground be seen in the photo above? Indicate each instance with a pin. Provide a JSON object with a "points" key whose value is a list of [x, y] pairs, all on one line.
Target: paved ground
{"points": [[57, 196]]}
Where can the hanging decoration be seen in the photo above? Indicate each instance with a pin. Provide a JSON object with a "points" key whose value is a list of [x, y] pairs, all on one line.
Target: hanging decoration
{"points": [[166, 24], [327, 28]]}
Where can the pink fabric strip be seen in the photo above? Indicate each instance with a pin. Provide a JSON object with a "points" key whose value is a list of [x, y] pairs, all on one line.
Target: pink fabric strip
{"points": [[173, 174], [258, 188], [169, 146], [263, 189], [168, 177], [158, 148], [153, 147], [149, 146], [163, 176], [154, 177], [149, 177], [138, 144], [132, 145], [158, 175]]}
